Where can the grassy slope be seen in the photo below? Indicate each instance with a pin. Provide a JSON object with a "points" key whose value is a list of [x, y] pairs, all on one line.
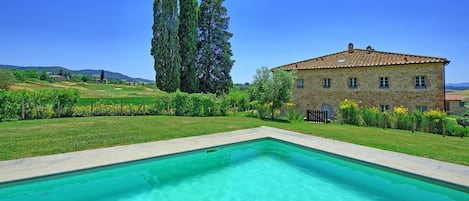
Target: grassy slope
{"points": [[42, 137], [464, 93], [93, 90]]}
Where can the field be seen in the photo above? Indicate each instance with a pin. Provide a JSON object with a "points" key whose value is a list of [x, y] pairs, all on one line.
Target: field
{"points": [[51, 136], [109, 93], [464, 93], [91, 90]]}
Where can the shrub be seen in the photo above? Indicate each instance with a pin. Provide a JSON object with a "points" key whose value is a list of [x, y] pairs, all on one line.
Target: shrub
{"points": [[435, 120], [370, 116], [6, 79], [454, 129], [348, 111], [208, 104], [222, 104], [262, 109], [417, 121], [401, 117], [293, 114], [197, 107], [243, 103], [9, 106], [181, 103], [252, 113], [162, 105], [463, 120], [64, 101]]}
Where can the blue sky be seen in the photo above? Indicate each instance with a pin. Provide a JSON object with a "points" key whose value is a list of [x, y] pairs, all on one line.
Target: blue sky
{"points": [[115, 34]]}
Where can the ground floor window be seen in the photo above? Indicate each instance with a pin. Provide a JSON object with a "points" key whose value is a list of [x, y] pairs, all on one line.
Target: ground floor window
{"points": [[421, 108], [384, 108], [461, 104]]}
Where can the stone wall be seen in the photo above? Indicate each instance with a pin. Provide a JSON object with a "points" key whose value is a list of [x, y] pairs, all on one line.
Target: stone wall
{"points": [[401, 91], [454, 107]]}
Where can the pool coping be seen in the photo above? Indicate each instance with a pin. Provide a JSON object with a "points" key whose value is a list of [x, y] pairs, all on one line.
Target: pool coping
{"points": [[21, 169]]}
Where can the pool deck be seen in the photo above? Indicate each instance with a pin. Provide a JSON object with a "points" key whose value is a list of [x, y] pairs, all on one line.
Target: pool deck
{"points": [[26, 168]]}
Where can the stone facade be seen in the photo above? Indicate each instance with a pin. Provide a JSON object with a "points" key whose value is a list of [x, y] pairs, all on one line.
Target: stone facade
{"points": [[401, 90], [454, 104], [365, 69]]}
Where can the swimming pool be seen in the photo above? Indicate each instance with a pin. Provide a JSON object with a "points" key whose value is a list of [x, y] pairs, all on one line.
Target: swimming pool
{"points": [[264, 169]]}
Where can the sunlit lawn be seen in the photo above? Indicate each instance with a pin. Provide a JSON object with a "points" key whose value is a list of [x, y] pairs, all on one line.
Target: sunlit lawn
{"points": [[42, 137]]}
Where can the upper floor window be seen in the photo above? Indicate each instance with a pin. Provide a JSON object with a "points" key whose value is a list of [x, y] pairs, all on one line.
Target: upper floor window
{"points": [[384, 82], [420, 82], [300, 83], [327, 83], [352, 82]]}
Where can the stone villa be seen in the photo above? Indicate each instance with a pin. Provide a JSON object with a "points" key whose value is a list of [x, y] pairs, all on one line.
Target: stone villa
{"points": [[371, 78]]}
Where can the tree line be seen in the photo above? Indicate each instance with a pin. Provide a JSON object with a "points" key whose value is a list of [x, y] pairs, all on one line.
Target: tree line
{"points": [[191, 49]]}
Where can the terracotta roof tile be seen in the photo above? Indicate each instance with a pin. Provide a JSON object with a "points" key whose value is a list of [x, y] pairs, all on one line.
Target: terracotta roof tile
{"points": [[361, 58], [453, 97]]}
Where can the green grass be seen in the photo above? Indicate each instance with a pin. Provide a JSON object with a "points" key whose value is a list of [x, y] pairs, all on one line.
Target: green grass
{"points": [[91, 90], [42, 137], [126, 101]]}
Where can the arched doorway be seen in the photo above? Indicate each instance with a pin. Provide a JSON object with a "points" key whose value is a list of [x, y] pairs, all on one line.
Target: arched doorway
{"points": [[328, 108]]}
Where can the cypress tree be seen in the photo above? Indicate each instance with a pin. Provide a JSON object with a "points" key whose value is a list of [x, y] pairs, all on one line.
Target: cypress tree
{"points": [[188, 18], [101, 77], [165, 45], [214, 54]]}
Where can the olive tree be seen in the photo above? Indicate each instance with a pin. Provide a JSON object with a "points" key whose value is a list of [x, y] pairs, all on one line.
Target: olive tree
{"points": [[6, 79], [272, 88]]}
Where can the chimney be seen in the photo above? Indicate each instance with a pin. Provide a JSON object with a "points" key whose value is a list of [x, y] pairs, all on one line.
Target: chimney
{"points": [[369, 49], [350, 48]]}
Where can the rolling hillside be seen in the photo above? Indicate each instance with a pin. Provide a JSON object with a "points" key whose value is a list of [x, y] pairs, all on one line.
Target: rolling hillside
{"points": [[55, 70], [88, 90], [464, 93]]}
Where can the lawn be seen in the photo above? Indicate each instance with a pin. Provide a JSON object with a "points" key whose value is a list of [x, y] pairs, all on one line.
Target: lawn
{"points": [[42, 137]]}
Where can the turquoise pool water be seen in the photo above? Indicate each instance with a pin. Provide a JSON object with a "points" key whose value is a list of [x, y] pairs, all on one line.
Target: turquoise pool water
{"points": [[258, 170]]}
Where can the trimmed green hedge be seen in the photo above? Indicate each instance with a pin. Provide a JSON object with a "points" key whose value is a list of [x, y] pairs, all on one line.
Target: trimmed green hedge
{"points": [[40, 104]]}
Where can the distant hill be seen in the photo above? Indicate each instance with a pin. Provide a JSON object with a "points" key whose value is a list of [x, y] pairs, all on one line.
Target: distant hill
{"points": [[55, 70], [457, 86]]}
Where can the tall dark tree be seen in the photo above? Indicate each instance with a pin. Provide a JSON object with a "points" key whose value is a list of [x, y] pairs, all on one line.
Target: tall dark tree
{"points": [[214, 49], [188, 18], [165, 45], [101, 77]]}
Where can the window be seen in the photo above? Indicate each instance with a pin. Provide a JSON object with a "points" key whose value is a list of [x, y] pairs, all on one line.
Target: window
{"points": [[420, 82], [384, 108], [421, 108], [461, 104], [352, 83], [327, 83], [383, 82], [300, 83]]}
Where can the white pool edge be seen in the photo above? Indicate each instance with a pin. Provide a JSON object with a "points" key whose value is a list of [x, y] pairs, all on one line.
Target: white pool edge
{"points": [[27, 168]]}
